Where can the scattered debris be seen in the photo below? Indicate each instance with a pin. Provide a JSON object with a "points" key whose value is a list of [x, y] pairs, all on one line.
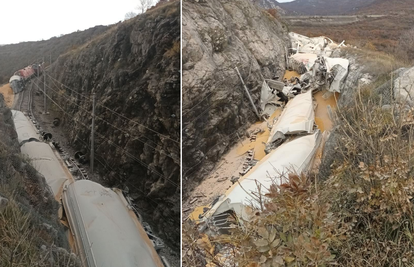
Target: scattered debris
{"points": [[193, 200], [56, 121], [298, 117], [234, 179]]}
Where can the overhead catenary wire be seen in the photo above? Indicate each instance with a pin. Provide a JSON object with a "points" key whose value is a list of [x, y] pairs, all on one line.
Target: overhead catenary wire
{"points": [[67, 87], [128, 133], [116, 113], [108, 167], [113, 144]]}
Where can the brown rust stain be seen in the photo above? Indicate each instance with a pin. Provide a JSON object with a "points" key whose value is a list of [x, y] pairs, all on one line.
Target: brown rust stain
{"points": [[289, 74], [8, 94], [322, 119], [259, 144]]}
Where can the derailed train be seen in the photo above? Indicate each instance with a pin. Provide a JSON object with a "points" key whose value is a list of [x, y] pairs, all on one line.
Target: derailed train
{"points": [[20, 77], [105, 229]]}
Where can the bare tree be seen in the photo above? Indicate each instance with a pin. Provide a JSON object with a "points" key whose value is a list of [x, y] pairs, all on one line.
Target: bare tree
{"points": [[130, 15], [405, 48], [144, 5]]}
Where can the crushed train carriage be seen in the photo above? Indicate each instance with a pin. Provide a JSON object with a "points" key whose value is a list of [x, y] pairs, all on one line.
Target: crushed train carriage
{"points": [[294, 139], [103, 223]]}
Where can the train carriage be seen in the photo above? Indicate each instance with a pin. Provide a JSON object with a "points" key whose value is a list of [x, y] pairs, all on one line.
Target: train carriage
{"points": [[270, 170], [44, 160], [107, 230], [24, 128]]}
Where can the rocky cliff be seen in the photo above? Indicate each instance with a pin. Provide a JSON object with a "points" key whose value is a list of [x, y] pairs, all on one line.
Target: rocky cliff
{"points": [[30, 232], [218, 36], [133, 69]]}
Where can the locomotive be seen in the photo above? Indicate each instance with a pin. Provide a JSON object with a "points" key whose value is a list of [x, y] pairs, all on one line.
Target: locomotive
{"points": [[20, 77]]}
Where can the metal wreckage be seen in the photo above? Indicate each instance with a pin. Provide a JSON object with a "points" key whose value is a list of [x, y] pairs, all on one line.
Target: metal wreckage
{"points": [[294, 138]]}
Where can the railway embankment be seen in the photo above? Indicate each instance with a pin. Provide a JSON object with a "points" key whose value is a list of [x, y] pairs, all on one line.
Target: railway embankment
{"points": [[30, 233]]}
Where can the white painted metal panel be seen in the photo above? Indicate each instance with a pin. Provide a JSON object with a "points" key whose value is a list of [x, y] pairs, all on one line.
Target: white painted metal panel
{"points": [[45, 162], [295, 156], [107, 229], [297, 117], [15, 78], [308, 60], [315, 45], [24, 128]]}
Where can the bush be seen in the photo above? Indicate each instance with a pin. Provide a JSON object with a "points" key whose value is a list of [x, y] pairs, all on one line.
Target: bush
{"points": [[362, 214]]}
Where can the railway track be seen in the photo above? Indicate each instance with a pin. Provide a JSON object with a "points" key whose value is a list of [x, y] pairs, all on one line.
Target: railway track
{"points": [[25, 105]]}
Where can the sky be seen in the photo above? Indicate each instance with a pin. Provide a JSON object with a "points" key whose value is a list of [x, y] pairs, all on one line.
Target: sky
{"points": [[30, 20]]}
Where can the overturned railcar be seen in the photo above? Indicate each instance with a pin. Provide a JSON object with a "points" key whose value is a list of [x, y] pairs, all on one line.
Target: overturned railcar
{"points": [[271, 169], [298, 117], [16, 83]]}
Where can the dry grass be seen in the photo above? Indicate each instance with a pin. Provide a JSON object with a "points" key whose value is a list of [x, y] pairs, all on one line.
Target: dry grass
{"points": [[174, 50], [21, 240], [360, 215], [30, 234]]}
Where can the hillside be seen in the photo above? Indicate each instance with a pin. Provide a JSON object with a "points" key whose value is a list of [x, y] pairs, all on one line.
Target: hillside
{"points": [[388, 7], [133, 68], [17, 56], [324, 7], [382, 33]]}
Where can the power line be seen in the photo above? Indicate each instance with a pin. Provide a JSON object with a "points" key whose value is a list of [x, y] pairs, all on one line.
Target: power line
{"points": [[188, 111], [128, 133], [67, 87], [118, 114], [122, 116], [107, 167], [115, 145]]}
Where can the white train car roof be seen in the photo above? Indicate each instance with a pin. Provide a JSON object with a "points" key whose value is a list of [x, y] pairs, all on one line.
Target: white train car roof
{"points": [[24, 128], [269, 171], [107, 230], [15, 78], [44, 160], [297, 117]]}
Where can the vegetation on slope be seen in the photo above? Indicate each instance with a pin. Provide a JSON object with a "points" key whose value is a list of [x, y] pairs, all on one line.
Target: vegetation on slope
{"points": [[30, 234], [389, 34], [16, 56]]}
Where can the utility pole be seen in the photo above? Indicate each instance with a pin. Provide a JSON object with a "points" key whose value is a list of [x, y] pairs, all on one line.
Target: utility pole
{"points": [[93, 132], [248, 94], [44, 86]]}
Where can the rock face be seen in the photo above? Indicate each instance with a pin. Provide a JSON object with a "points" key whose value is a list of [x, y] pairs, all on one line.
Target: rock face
{"points": [[270, 4], [219, 35], [134, 70], [404, 87]]}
